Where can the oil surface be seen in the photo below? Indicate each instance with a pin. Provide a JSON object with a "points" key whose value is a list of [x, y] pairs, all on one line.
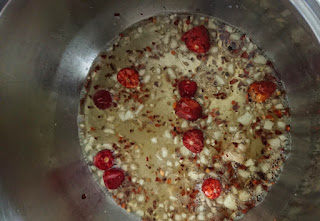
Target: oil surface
{"points": [[245, 141]]}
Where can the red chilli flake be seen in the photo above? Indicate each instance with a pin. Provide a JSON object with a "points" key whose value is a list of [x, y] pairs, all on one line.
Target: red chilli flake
{"points": [[233, 81], [288, 128], [96, 86], [244, 55], [194, 193]]}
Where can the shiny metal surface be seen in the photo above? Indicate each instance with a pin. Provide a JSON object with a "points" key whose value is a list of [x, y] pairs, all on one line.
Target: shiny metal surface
{"points": [[46, 49], [2, 4]]}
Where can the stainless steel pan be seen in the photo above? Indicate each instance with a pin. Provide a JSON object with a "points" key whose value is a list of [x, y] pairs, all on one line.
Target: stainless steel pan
{"points": [[46, 49]]}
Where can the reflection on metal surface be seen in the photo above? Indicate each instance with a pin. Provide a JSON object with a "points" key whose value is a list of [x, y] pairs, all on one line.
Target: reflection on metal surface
{"points": [[7, 213], [45, 48], [3, 4], [310, 10]]}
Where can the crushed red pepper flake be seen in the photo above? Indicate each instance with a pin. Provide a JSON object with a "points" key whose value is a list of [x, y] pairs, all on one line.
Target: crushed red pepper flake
{"points": [[288, 128], [233, 81]]}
